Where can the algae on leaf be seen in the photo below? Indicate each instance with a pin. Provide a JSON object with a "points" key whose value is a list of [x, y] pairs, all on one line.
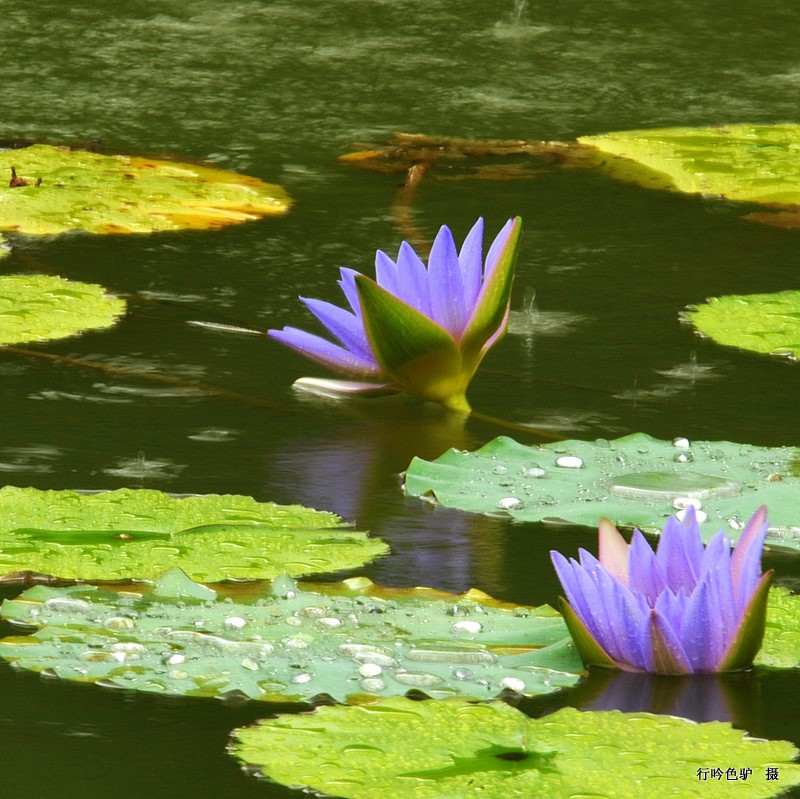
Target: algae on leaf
{"points": [[456, 750], [352, 641], [40, 307], [636, 481], [765, 323], [59, 189], [128, 534]]}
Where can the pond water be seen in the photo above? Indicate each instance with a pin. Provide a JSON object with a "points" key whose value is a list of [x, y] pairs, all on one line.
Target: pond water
{"points": [[279, 90]]}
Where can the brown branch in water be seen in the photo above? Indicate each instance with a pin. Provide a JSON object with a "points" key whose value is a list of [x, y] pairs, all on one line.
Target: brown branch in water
{"points": [[403, 211]]}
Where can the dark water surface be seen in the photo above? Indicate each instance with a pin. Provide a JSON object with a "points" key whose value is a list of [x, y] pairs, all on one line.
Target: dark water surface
{"points": [[279, 90]]}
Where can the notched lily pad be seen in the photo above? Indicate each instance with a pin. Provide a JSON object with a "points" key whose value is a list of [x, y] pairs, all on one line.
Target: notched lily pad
{"points": [[53, 190], [636, 481], [40, 307], [127, 534], [765, 323], [354, 641], [431, 750]]}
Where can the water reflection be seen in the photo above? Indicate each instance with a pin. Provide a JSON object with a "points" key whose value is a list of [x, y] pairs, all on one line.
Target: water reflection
{"points": [[355, 471], [731, 697]]}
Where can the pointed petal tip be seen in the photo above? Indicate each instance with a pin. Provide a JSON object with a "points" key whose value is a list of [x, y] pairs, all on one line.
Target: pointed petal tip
{"points": [[613, 550]]}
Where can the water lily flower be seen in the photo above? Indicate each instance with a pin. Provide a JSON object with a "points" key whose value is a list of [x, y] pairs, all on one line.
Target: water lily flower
{"points": [[683, 609], [415, 328]]}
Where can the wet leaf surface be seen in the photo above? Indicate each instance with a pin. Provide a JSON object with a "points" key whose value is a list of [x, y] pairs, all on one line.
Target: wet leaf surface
{"points": [[455, 749], [39, 307], [781, 647], [752, 163], [348, 641], [139, 533], [765, 323], [636, 481], [58, 189]]}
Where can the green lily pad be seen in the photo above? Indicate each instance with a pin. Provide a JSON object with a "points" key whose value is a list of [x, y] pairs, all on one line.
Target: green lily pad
{"points": [[767, 323], [291, 644], [636, 481], [126, 534], [753, 163], [456, 750], [39, 307], [781, 647], [78, 190]]}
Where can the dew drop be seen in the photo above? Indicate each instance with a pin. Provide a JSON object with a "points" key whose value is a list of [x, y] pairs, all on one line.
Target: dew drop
{"points": [[463, 674], [372, 684], [513, 684], [466, 626], [500, 470], [681, 443], [683, 457], [301, 678], [234, 623], [533, 470], [250, 664], [417, 678], [370, 670], [330, 622], [510, 503], [174, 660], [569, 462], [59, 604], [119, 623]]}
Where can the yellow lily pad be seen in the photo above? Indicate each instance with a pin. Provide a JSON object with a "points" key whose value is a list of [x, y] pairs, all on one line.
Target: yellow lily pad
{"points": [[52, 190], [746, 163]]}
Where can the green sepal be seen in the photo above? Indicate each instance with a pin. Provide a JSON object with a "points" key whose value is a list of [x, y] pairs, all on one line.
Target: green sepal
{"points": [[592, 654], [412, 349], [491, 311], [747, 641]]}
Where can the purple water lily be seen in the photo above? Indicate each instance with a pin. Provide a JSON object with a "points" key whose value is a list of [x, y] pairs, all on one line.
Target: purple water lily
{"points": [[683, 609], [417, 328]]}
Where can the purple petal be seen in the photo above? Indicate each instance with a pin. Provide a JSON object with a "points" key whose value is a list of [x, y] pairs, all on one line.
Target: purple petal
{"points": [[327, 353], [347, 327], [680, 551], [471, 260], [386, 272], [746, 560], [644, 573], [496, 249], [445, 284], [348, 286], [700, 631], [413, 276], [666, 649]]}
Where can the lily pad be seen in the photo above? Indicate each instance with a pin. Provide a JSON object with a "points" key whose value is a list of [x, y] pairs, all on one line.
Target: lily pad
{"points": [[767, 323], [781, 647], [753, 163], [126, 534], [456, 750], [290, 644], [39, 307], [57, 189], [636, 481]]}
